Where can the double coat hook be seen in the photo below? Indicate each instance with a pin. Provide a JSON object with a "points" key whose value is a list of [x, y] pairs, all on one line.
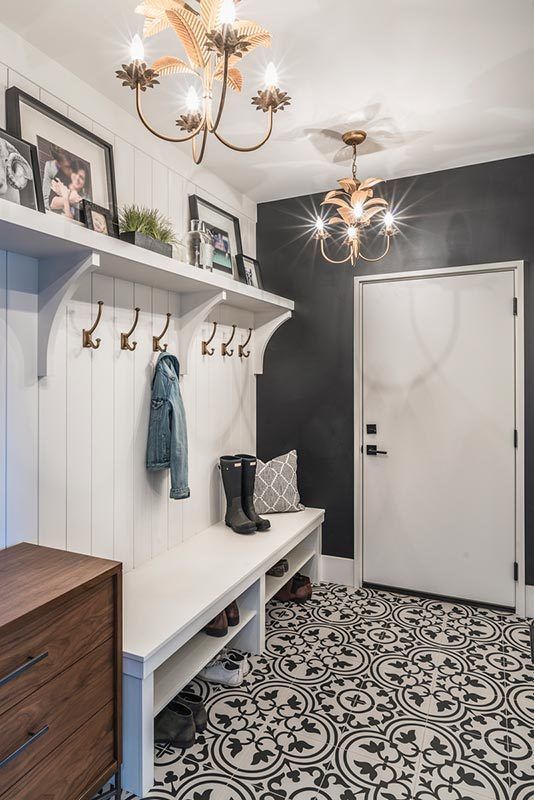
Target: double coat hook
{"points": [[206, 349], [241, 348], [125, 337], [156, 347], [224, 346], [87, 335]]}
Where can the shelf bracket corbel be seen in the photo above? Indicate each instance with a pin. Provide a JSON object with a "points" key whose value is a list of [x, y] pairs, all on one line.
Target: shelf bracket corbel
{"points": [[195, 308], [58, 280], [266, 323]]}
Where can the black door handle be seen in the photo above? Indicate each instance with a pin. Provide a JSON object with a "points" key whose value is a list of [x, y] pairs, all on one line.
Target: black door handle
{"points": [[372, 451], [32, 738], [30, 662]]}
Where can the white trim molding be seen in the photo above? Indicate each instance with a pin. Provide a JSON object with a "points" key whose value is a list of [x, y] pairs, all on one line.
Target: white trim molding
{"points": [[337, 570], [523, 594]]}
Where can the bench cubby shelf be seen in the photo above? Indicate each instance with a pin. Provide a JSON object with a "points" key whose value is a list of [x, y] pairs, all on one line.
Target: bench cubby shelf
{"points": [[169, 600], [66, 252]]}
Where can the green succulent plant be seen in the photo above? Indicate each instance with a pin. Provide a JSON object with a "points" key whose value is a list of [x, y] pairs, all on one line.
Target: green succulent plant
{"points": [[148, 221]]}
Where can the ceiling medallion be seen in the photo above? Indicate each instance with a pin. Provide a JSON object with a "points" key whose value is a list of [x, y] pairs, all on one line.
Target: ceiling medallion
{"points": [[214, 43], [356, 208]]}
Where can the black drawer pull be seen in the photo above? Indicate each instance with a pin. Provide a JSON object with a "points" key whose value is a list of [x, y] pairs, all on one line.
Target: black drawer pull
{"points": [[27, 743], [31, 662]]}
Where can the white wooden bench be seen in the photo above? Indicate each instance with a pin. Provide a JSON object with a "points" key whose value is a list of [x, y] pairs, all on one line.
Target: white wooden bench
{"points": [[169, 600]]}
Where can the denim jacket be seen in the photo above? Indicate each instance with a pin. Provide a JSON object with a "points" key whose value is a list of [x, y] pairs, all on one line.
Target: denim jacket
{"points": [[167, 430]]}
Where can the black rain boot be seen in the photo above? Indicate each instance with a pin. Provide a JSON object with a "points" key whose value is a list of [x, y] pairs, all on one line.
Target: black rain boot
{"points": [[235, 517], [249, 477]]}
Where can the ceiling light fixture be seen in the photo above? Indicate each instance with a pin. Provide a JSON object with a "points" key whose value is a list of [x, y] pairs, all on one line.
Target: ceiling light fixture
{"points": [[214, 42], [356, 208]]}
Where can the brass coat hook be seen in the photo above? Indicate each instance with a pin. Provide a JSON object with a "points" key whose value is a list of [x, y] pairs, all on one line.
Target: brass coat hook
{"points": [[241, 349], [224, 346], [206, 350], [87, 335], [125, 337], [156, 347]]}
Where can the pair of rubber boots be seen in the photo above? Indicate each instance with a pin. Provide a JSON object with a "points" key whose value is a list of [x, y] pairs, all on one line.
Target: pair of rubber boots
{"points": [[238, 476]]}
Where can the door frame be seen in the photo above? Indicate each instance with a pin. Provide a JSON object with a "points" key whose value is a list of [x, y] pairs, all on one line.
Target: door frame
{"points": [[517, 268]]}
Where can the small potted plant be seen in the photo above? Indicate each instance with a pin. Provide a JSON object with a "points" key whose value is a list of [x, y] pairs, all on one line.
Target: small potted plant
{"points": [[147, 228]]}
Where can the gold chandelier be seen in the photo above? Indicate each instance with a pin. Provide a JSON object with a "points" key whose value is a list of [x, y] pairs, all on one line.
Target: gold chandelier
{"points": [[214, 43], [356, 208]]}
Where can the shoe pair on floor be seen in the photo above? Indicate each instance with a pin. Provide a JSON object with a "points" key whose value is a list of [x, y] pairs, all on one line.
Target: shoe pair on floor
{"points": [[181, 720], [279, 569], [238, 476], [297, 590], [229, 668], [218, 626]]}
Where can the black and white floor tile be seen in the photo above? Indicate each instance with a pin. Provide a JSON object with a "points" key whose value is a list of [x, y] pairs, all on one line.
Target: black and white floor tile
{"points": [[369, 695]]}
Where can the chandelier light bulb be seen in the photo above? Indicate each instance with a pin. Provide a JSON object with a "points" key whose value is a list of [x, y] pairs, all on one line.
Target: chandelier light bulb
{"points": [[227, 15], [137, 50], [389, 220], [193, 100], [271, 76], [358, 210], [352, 232], [319, 224]]}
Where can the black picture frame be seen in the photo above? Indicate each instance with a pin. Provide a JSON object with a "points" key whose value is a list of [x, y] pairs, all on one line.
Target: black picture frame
{"points": [[246, 263], [31, 151], [88, 207], [15, 97], [197, 204]]}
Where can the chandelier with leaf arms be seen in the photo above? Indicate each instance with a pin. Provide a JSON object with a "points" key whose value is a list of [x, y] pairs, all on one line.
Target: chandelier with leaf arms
{"points": [[215, 42], [356, 209]]}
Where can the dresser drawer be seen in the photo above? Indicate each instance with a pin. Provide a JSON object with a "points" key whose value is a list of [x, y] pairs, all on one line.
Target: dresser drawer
{"points": [[81, 760], [31, 730], [35, 652]]}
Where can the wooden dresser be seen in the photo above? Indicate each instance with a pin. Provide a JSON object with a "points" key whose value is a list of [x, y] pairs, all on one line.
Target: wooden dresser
{"points": [[60, 673]]}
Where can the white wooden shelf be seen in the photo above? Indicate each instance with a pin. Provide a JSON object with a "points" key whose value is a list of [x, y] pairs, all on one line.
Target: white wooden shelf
{"points": [[297, 558], [67, 251], [181, 668]]}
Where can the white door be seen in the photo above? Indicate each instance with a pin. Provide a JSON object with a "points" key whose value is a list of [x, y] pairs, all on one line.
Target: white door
{"points": [[438, 381]]}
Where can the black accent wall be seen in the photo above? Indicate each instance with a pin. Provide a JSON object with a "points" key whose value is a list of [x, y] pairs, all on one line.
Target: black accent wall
{"points": [[470, 215]]}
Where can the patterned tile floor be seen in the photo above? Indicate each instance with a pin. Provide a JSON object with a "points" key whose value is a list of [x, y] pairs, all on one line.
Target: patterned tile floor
{"points": [[369, 695]]}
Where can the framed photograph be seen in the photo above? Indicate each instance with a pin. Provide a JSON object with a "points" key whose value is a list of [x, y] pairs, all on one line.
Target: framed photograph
{"points": [[249, 271], [97, 218], [74, 164], [225, 229], [19, 172]]}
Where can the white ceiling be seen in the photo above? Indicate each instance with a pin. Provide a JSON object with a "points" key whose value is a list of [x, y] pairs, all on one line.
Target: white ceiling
{"points": [[436, 84]]}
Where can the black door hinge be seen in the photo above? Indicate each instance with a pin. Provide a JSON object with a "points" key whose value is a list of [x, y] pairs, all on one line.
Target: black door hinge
{"points": [[516, 571], [515, 306], [516, 438]]}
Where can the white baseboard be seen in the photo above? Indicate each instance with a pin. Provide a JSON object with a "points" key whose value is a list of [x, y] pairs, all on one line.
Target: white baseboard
{"points": [[529, 605], [337, 570]]}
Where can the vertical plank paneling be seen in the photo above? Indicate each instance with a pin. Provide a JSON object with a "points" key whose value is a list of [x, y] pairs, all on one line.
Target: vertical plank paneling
{"points": [[177, 203], [22, 400], [102, 455], [143, 368], [124, 171], [159, 481], [3, 395], [123, 429], [53, 448], [160, 188], [80, 315], [189, 395], [142, 178]]}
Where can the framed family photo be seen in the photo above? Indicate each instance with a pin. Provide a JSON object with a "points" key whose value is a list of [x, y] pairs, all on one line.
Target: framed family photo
{"points": [[98, 218], [19, 172], [249, 271], [74, 164], [224, 228]]}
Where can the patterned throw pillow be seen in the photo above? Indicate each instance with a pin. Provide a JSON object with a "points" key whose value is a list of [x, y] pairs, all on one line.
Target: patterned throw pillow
{"points": [[276, 489]]}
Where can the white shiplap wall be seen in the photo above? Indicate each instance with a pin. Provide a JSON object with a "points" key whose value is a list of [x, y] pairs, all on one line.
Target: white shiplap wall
{"points": [[72, 446]]}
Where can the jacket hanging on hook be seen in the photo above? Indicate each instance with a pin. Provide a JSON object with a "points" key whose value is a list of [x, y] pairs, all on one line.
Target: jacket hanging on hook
{"points": [[167, 429]]}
